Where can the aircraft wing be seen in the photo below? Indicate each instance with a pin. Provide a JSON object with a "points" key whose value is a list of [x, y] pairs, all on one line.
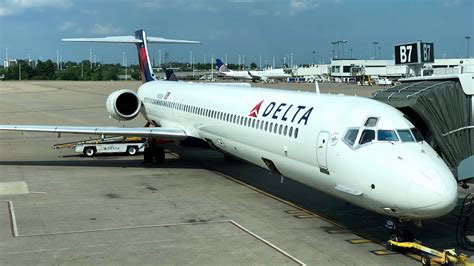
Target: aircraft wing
{"points": [[129, 39], [149, 132]]}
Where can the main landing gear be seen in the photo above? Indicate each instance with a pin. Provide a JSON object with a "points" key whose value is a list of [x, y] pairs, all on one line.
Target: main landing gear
{"points": [[153, 154]]}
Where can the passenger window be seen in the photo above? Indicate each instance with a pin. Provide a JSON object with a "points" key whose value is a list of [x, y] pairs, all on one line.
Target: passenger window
{"points": [[417, 134], [371, 122], [387, 135], [291, 131], [285, 130], [405, 135], [367, 136], [296, 133], [351, 136]]}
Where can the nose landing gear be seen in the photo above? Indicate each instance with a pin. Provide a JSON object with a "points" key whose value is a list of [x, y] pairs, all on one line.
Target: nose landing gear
{"points": [[397, 234]]}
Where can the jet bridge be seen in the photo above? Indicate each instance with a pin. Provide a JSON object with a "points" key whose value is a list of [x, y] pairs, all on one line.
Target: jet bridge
{"points": [[442, 108]]}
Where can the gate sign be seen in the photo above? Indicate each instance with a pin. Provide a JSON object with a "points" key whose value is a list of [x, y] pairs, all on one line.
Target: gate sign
{"points": [[414, 53]]}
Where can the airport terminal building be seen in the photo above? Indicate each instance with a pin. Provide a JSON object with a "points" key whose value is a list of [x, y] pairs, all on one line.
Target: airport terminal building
{"points": [[354, 70]]}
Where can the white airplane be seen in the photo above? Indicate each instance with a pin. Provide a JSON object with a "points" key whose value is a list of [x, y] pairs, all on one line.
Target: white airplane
{"points": [[357, 149], [263, 75]]}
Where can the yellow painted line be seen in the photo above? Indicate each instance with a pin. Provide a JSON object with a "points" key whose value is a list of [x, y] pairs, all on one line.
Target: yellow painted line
{"points": [[339, 229], [275, 197], [295, 211], [383, 252], [359, 241], [305, 216]]}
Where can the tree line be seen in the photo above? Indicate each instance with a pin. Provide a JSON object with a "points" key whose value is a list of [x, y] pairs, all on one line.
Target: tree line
{"points": [[49, 70]]}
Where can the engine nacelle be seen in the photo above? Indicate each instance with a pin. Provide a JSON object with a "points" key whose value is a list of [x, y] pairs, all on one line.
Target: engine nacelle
{"points": [[123, 104]]}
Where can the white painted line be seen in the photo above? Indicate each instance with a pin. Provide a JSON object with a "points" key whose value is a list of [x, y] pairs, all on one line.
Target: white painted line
{"points": [[15, 234], [38, 192], [268, 243], [11, 211]]}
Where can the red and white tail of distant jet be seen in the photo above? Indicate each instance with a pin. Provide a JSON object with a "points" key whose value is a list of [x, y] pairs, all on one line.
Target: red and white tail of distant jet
{"points": [[360, 150]]}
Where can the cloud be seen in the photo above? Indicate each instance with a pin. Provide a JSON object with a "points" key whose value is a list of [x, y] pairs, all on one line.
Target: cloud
{"points": [[105, 29], [70, 26], [12, 7], [297, 6]]}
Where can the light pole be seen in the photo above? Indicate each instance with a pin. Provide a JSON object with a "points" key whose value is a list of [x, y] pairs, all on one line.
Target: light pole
{"points": [[375, 49], [191, 59], [159, 58], [351, 53], [467, 40], [314, 57], [333, 49], [343, 43], [380, 57], [90, 58], [57, 60]]}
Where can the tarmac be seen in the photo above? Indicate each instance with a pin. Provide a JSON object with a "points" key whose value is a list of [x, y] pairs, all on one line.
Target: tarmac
{"points": [[58, 207]]}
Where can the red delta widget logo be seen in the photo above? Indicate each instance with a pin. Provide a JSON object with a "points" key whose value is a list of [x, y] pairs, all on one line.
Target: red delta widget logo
{"points": [[283, 112]]}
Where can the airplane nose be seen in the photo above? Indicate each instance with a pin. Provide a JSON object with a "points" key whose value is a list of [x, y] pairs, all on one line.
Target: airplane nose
{"points": [[433, 195]]}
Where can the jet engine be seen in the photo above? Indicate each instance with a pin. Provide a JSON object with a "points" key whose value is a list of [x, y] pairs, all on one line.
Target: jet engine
{"points": [[123, 104]]}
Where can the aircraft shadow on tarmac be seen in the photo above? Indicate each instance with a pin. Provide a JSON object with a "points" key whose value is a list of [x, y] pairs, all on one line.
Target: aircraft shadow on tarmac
{"points": [[438, 233]]}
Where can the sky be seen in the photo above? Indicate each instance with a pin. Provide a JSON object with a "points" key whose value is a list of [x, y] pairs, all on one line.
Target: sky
{"points": [[250, 28]]}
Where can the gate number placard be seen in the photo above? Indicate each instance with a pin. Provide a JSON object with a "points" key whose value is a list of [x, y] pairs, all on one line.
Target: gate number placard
{"points": [[414, 53]]}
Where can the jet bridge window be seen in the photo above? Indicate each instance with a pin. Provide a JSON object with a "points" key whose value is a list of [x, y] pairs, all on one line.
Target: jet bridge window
{"points": [[351, 136], [405, 135], [367, 136], [387, 135]]}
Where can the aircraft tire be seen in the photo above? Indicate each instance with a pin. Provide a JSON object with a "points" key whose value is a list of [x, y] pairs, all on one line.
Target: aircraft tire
{"points": [[148, 156], [159, 155]]}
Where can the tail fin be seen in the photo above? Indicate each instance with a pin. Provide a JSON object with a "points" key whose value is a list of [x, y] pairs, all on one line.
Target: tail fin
{"points": [[170, 75], [141, 41], [146, 70], [220, 66]]}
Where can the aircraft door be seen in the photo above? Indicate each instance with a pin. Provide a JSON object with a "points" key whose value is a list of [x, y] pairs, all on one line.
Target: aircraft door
{"points": [[321, 149]]}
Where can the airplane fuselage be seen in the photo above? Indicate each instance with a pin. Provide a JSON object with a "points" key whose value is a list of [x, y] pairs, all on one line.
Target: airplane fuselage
{"points": [[301, 135]]}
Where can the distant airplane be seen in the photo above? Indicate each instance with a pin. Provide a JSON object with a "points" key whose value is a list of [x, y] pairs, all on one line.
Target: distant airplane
{"points": [[360, 150], [263, 75]]}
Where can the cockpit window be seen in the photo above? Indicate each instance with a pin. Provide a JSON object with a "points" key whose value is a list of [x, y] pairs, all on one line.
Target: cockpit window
{"points": [[367, 136], [417, 135], [405, 135], [371, 122], [387, 135], [351, 136]]}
